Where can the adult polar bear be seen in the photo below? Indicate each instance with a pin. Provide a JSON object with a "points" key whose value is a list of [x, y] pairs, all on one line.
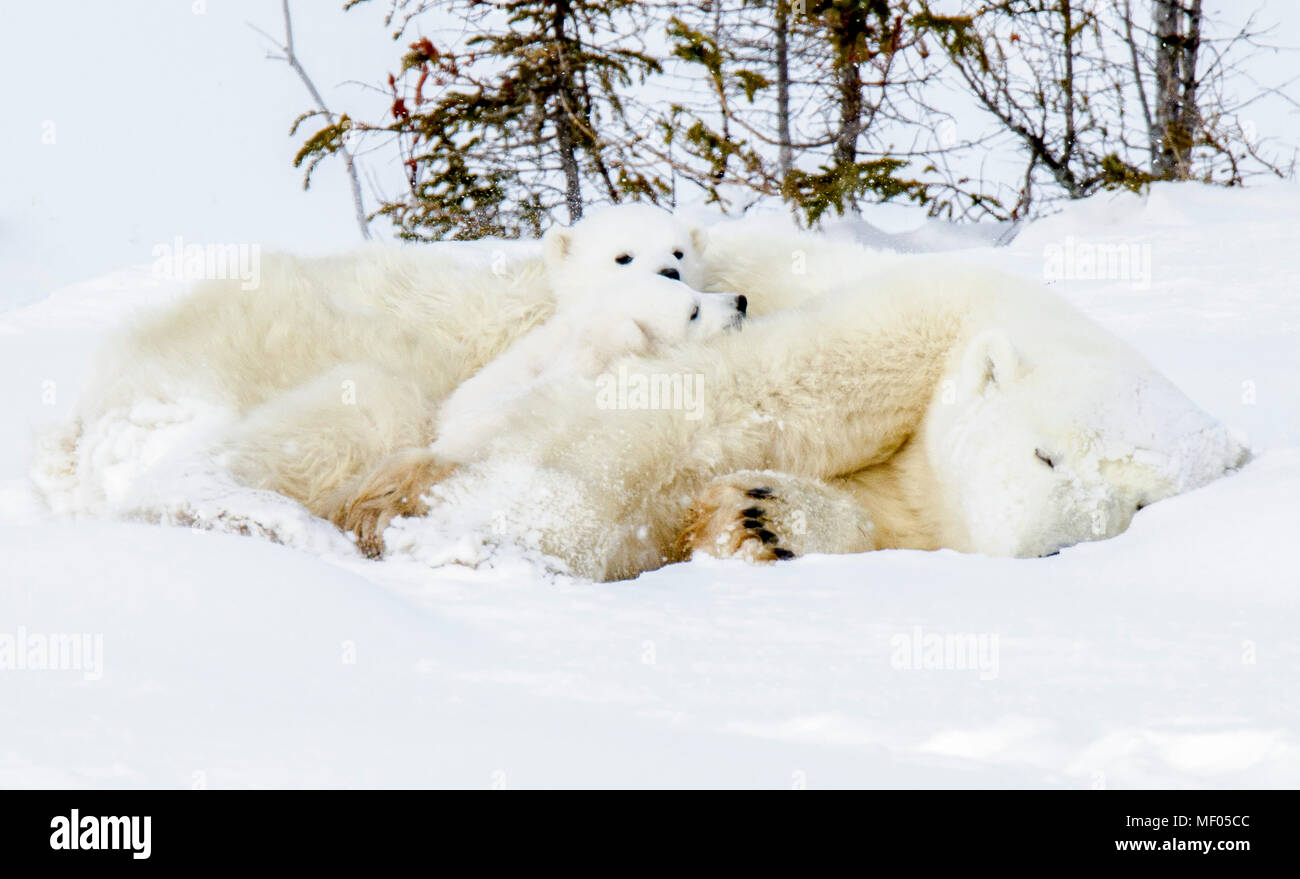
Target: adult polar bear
{"points": [[883, 401]]}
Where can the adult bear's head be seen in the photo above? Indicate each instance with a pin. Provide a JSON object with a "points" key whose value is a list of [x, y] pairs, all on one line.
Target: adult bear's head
{"points": [[1040, 440]]}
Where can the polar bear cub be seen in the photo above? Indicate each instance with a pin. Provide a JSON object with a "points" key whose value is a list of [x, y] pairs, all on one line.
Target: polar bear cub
{"points": [[624, 280], [619, 243]]}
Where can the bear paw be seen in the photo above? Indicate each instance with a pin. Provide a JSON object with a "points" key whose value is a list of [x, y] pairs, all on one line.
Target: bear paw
{"points": [[394, 488], [742, 515]]}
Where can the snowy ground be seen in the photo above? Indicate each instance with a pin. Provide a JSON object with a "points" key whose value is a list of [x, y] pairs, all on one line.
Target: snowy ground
{"points": [[1165, 657]]}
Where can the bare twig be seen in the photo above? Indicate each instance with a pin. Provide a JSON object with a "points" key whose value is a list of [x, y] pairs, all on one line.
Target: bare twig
{"points": [[1153, 148], [290, 57]]}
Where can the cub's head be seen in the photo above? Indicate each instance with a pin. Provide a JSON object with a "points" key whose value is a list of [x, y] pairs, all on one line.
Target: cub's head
{"points": [[1038, 449], [670, 313], [615, 245]]}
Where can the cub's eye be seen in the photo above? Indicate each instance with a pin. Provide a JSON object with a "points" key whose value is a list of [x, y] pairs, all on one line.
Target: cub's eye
{"points": [[678, 254], [1045, 458], [623, 259], [695, 313]]}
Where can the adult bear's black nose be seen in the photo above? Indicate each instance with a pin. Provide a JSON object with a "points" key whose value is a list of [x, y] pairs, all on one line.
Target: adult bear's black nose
{"points": [[671, 273], [741, 303]]}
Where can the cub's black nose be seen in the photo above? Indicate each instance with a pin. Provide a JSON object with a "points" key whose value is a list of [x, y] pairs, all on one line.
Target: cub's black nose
{"points": [[671, 273], [741, 304]]}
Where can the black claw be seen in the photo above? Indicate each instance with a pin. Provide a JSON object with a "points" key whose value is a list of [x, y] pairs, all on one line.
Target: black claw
{"points": [[752, 523], [759, 492], [752, 513], [782, 553], [766, 536]]}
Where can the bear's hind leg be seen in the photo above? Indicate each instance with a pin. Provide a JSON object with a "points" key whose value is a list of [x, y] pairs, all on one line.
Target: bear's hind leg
{"points": [[393, 488], [766, 516]]}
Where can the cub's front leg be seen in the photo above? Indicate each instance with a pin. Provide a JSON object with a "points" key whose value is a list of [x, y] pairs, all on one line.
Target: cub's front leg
{"points": [[766, 516]]}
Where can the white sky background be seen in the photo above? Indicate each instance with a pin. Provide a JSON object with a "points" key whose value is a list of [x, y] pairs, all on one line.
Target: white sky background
{"points": [[167, 122]]}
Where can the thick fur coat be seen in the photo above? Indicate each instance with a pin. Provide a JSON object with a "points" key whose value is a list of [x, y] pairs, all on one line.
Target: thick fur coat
{"points": [[874, 401]]}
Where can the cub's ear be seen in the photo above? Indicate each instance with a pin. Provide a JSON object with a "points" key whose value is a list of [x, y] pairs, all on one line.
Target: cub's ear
{"points": [[990, 360], [699, 240], [556, 244]]}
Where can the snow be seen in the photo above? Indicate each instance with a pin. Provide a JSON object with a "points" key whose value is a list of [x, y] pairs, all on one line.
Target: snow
{"points": [[1163, 657]]}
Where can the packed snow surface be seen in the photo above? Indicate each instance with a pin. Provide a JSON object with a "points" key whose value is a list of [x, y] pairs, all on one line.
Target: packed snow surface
{"points": [[1167, 656]]}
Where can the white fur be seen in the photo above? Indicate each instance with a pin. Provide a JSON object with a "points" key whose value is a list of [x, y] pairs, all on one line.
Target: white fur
{"points": [[918, 397], [884, 400], [299, 385], [622, 243], [613, 305]]}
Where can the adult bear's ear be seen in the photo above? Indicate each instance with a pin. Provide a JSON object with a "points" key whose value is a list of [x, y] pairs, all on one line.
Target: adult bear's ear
{"points": [[990, 360], [556, 244]]}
